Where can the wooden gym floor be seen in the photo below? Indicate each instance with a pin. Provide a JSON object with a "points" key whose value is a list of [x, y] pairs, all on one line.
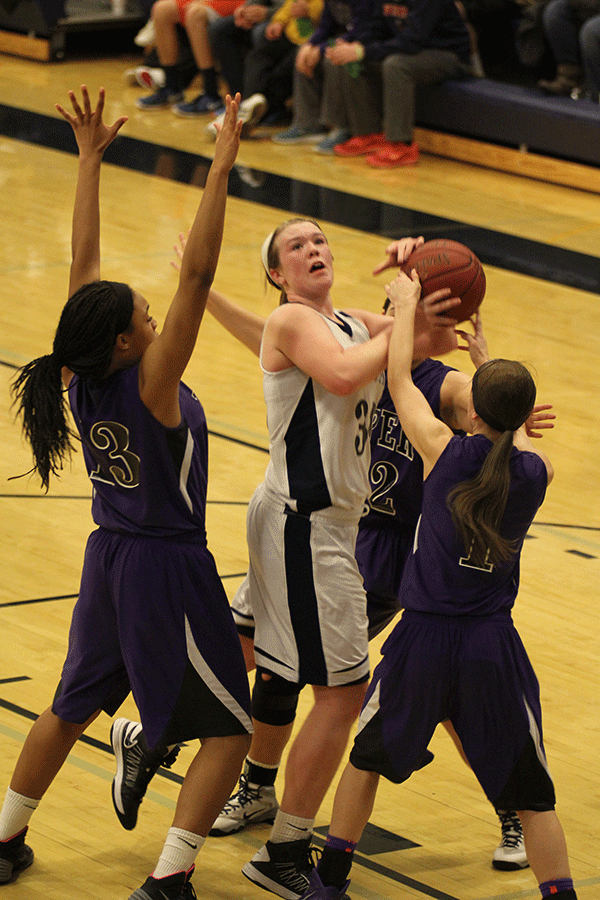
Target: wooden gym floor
{"points": [[540, 246]]}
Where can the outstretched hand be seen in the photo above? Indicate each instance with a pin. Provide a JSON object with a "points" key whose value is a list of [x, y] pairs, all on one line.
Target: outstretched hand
{"points": [[539, 419], [91, 134], [475, 344], [397, 253], [228, 134]]}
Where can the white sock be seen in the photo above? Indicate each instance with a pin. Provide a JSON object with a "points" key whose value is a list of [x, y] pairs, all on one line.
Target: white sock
{"points": [[179, 852], [16, 813], [290, 828]]}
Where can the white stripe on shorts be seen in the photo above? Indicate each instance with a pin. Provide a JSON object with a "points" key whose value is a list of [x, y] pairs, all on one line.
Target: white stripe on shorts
{"points": [[209, 678]]}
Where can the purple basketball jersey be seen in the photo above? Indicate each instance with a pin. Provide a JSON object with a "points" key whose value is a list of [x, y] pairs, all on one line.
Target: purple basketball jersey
{"points": [[148, 479], [396, 473], [438, 577]]}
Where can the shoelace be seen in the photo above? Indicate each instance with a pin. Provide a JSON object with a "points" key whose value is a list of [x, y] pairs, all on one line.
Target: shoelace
{"points": [[512, 832], [295, 874], [243, 797], [134, 766], [139, 767]]}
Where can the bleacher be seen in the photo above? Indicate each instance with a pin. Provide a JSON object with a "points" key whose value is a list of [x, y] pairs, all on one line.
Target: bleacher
{"points": [[512, 128]]}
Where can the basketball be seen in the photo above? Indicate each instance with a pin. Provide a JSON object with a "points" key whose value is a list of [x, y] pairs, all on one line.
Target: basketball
{"points": [[448, 264]]}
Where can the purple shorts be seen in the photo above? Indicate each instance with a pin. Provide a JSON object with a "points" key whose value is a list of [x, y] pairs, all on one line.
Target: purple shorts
{"points": [[473, 671], [381, 550], [153, 617]]}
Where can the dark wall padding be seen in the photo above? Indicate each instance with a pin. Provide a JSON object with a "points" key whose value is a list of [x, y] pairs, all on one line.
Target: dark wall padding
{"points": [[513, 116]]}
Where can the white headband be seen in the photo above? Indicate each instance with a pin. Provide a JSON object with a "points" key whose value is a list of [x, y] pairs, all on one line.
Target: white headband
{"points": [[264, 255]]}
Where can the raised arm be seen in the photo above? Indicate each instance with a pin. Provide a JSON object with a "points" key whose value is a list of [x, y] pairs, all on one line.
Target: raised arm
{"points": [[93, 137], [296, 335], [454, 395], [165, 360], [523, 442], [456, 388], [243, 324], [428, 435]]}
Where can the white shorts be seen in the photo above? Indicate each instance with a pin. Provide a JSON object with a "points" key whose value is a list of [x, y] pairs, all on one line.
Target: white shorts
{"points": [[305, 592]]}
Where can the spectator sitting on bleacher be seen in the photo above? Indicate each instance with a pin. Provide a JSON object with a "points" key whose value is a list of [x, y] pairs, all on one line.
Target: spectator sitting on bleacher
{"points": [[194, 16], [345, 21], [232, 37], [420, 42], [572, 28], [269, 65]]}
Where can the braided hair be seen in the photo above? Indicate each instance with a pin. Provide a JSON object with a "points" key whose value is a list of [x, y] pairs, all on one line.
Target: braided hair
{"points": [[84, 342], [503, 397]]}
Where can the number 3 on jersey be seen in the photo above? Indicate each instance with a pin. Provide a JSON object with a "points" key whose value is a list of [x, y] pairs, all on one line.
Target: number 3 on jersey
{"points": [[365, 419], [112, 439]]}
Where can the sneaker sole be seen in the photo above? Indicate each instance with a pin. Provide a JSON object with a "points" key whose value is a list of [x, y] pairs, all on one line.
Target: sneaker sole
{"points": [[158, 108], [116, 732], [139, 894], [256, 876], [9, 871], [392, 165], [505, 866], [355, 155], [191, 115], [307, 139], [264, 818]]}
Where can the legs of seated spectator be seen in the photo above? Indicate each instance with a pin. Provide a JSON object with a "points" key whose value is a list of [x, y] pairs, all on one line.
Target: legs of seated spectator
{"points": [[165, 15], [378, 106], [400, 75], [561, 28], [353, 103], [589, 42], [269, 70], [230, 44]]}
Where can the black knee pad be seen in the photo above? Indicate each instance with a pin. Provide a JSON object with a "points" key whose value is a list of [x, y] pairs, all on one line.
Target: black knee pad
{"points": [[274, 700]]}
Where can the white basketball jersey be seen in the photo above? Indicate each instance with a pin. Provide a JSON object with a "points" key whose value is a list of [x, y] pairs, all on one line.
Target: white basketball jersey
{"points": [[319, 442]]}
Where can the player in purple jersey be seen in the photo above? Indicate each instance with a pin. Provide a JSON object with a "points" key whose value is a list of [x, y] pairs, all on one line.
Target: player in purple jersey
{"points": [[152, 615], [455, 652]]}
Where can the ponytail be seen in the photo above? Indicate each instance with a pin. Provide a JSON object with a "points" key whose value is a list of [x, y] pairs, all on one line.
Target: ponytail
{"points": [[503, 397], [84, 342], [40, 397]]}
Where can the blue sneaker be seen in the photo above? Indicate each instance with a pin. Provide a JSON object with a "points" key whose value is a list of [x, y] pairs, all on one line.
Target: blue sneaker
{"points": [[160, 99], [198, 107], [337, 136], [297, 135]]}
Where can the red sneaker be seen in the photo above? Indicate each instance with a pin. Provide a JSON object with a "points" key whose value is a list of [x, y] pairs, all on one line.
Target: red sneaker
{"points": [[394, 154], [360, 145]]}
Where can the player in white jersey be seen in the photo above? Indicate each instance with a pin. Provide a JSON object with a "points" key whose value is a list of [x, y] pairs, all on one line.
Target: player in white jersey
{"points": [[323, 369], [304, 518]]}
